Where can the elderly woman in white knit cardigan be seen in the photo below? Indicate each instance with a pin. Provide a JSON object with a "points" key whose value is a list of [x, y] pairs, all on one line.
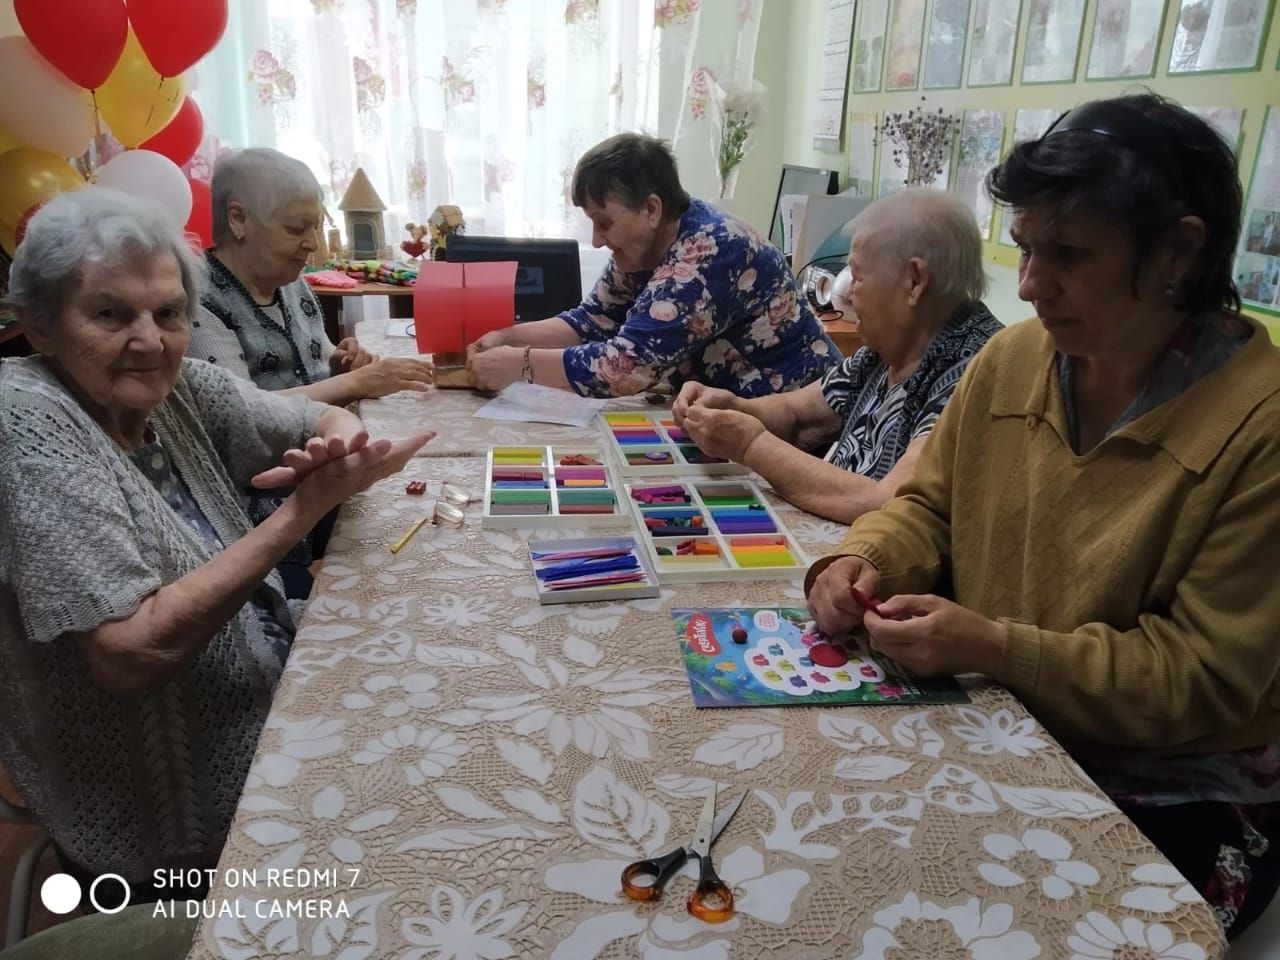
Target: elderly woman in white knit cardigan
{"points": [[142, 628]]}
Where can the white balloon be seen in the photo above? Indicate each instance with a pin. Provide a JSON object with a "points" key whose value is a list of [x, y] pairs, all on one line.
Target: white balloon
{"points": [[41, 106], [152, 176]]}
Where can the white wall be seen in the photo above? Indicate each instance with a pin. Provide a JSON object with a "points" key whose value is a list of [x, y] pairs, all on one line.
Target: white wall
{"points": [[1002, 296]]}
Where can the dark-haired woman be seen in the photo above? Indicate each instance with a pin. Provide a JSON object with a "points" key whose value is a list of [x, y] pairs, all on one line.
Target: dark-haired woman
{"points": [[690, 293], [1103, 492]]}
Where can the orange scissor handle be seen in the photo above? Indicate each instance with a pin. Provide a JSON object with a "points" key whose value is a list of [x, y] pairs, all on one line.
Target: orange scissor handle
{"points": [[711, 900], [644, 879]]}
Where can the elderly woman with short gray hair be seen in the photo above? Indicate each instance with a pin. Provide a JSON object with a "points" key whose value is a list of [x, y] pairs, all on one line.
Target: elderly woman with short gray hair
{"points": [[258, 317], [260, 320], [142, 628], [917, 290]]}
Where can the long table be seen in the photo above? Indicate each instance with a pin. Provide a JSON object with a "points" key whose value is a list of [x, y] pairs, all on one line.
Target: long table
{"points": [[452, 770]]}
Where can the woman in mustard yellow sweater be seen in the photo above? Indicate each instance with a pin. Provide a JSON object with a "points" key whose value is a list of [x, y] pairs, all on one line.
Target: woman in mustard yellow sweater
{"points": [[1103, 495]]}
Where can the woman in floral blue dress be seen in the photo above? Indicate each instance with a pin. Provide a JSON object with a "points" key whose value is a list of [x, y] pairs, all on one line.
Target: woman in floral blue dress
{"points": [[690, 293]]}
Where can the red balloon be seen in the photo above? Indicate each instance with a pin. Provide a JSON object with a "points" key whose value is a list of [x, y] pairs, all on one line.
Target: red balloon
{"points": [[180, 140], [82, 38], [175, 34], [200, 223]]}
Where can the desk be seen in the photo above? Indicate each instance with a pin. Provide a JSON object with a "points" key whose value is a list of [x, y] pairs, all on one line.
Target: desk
{"points": [[844, 333], [475, 769], [331, 302]]}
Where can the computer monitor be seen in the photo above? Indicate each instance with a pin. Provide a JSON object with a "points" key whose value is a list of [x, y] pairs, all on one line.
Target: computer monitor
{"points": [[548, 278], [799, 181]]}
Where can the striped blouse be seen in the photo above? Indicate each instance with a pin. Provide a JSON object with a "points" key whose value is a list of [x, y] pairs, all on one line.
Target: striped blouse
{"points": [[881, 420]]}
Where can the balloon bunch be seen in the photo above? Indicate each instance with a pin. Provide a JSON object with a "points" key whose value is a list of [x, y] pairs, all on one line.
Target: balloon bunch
{"points": [[83, 63]]}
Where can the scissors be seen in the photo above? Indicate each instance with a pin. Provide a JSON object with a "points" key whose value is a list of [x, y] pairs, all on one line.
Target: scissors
{"points": [[711, 900]]}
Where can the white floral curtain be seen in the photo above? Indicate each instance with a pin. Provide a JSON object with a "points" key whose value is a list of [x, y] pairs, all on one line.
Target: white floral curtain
{"points": [[483, 103]]}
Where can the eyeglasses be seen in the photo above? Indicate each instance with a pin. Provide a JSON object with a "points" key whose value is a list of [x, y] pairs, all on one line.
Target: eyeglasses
{"points": [[447, 511], [454, 495]]}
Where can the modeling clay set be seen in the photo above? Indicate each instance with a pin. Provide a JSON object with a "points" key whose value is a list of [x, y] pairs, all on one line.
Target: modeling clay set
{"points": [[647, 445], [548, 486], [711, 530]]}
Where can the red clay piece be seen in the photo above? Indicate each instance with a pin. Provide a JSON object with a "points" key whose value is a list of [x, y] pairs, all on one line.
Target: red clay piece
{"points": [[825, 655]]}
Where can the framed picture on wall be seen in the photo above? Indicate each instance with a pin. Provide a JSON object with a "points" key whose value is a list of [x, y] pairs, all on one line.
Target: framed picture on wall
{"points": [[1027, 125], [868, 45], [1214, 35], [862, 154], [906, 28], [1126, 36], [944, 50], [1054, 30], [1228, 121], [1257, 267], [995, 34], [981, 137]]}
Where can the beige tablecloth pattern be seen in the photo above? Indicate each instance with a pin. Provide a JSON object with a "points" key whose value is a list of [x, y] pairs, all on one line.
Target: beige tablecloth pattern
{"points": [[475, 769]]}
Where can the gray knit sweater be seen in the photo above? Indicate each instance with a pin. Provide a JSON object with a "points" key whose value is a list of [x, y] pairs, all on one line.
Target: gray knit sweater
{"points": [[128, 784]]}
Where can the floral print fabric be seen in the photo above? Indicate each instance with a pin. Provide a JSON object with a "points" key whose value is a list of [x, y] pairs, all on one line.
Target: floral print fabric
{"points": [[722, 308]]}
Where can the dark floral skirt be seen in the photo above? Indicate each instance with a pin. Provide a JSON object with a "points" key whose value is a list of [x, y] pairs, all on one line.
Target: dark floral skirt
{"points": [[1229, 852]]}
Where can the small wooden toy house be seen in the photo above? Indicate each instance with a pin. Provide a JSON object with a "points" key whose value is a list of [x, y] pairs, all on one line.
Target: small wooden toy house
{"points": [[363, 208]]}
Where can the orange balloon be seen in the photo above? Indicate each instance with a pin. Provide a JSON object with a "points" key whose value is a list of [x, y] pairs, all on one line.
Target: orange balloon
{"points": [[137, 102], [28, 178]]}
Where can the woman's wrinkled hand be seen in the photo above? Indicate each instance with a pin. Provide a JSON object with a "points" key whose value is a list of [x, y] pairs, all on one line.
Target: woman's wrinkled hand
{"points": [[492, 339], [697, 393], [299, 462], [327, 472], [722, 433], [933, 637], [497, 367], [348, 355], [393, 374], [831, 601]]}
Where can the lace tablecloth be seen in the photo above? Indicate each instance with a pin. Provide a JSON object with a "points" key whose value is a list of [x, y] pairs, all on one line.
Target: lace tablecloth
{"points": [[452, 770]]}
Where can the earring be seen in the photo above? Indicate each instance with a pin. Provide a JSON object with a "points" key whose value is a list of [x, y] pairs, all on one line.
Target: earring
{"points": [[1170, 291]]}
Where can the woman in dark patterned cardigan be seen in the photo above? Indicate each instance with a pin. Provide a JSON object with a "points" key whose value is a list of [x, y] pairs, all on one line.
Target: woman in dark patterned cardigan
{"points": [[258, 318]]}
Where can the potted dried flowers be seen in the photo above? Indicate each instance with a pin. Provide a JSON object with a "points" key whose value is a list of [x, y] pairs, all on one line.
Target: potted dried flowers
{"points": [[921, 140]]}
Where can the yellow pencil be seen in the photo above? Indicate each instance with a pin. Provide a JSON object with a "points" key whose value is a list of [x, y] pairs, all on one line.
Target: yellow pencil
{"points": [[399, 544]]}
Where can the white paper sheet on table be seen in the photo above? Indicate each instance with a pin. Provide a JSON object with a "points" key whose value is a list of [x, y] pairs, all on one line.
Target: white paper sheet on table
{"points": [[533, 403]]}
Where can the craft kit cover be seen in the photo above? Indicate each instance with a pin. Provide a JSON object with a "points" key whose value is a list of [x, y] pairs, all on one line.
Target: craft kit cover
{"points": [[776, 657]]}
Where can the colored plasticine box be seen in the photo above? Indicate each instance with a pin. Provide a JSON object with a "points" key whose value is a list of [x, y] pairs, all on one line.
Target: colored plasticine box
{"points": [[651, 445], [709, 530], [566, 486], [590, 570]]}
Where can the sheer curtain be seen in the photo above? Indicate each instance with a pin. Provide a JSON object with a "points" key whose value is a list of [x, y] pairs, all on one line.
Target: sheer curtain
{"points": [[483, 103]]}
